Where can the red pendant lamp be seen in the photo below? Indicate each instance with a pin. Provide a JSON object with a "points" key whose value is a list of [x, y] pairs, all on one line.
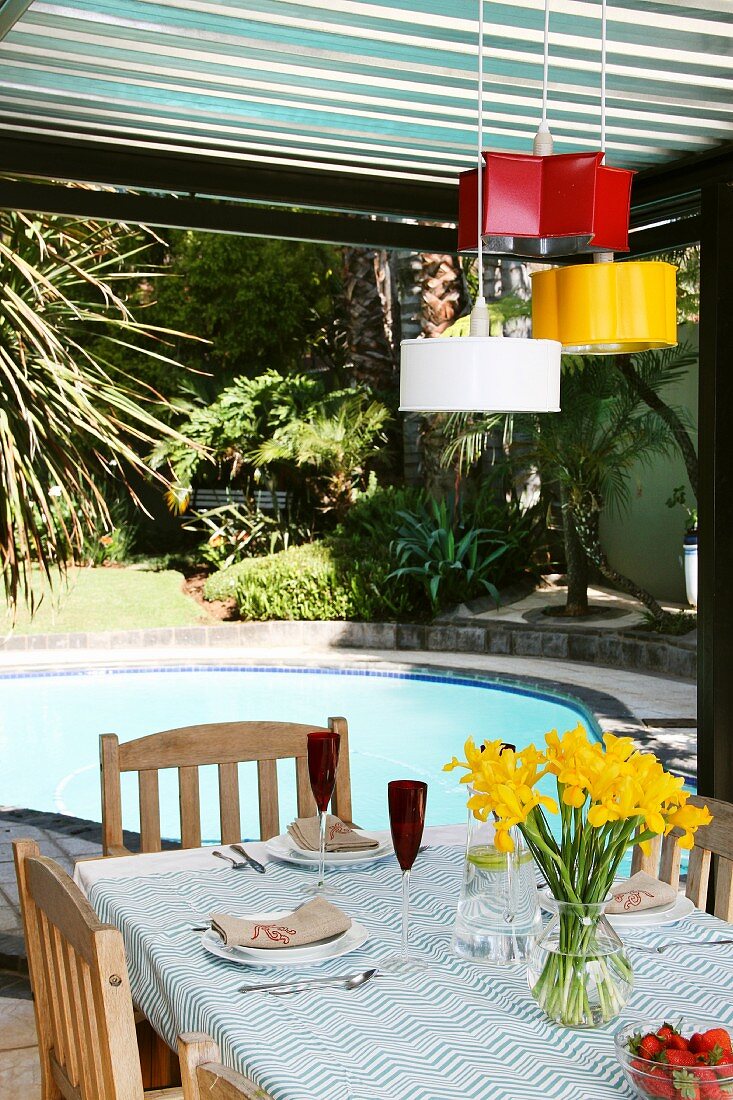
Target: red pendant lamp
{"points": [[540, 206]]}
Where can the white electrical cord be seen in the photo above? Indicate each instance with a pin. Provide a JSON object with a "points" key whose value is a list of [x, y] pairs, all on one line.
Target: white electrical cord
{"points": [[603, 74], [543, 143], [480, 311], [603, 257], [545, 62]]}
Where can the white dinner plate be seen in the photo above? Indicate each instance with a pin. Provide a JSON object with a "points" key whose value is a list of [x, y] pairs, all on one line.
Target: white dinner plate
{"points": [[669, 913], [331, 948], [284, 847]]}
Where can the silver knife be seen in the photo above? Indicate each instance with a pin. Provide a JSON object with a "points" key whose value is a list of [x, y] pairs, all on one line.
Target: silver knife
{"points": [[252, 862], [349, 981]]}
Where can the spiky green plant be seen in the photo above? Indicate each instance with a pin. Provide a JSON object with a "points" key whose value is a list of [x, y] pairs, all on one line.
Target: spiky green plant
{"points": [[336, 438], [70, 420]]}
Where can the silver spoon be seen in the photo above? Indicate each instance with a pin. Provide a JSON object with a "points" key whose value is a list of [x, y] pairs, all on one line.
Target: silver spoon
{"points": [[236, 865], [346, 981]]}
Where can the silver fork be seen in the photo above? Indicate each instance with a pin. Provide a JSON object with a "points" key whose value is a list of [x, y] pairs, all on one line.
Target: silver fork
{"points": [[659, 949], [238, 866]]}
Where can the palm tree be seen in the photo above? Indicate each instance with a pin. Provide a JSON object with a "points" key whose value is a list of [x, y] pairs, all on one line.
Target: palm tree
{"points": [[71, 421], [585, 455], [433, 294], [641, 371], [588, 451], [336, 438]]}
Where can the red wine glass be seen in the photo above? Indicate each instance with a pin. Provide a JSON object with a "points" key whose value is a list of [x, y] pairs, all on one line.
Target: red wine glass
{"points": [[323, 758], [406, 799]]}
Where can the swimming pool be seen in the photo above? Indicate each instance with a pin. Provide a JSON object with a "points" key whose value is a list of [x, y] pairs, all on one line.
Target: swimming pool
{"points": [[401, 725]]}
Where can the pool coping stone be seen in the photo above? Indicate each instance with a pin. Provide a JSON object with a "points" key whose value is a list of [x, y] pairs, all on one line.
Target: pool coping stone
{"points": [[630, 649]]}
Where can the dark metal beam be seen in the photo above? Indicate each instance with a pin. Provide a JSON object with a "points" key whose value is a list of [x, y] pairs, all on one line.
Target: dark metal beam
{"points": [[715, 418], [25, 153], [224, 217], [664, 237], [10, 12], [683, 177]]}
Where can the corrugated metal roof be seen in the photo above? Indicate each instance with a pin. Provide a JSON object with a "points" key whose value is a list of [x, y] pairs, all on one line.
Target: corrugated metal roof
{"points": [[369, 87]]}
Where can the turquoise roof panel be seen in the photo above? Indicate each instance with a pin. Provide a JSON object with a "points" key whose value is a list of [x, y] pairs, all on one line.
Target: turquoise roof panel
{"points": [[359, 85]]}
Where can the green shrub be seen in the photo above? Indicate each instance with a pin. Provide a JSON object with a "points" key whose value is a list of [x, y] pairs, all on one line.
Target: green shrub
{"points": [[332, 579], [374, 515], [301, 583]]}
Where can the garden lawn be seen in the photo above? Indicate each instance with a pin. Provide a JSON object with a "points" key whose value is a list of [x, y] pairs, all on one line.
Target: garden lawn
{"points": [[112, 599]]}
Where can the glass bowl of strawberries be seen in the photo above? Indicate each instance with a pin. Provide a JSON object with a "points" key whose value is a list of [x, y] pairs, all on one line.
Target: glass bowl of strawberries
{"points": [[677, 1060]]}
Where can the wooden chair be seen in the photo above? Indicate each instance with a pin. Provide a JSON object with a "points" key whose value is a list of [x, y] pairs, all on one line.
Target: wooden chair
{"points": [[713, 840], [82, 1002], [205, 1078], [226, 744]]}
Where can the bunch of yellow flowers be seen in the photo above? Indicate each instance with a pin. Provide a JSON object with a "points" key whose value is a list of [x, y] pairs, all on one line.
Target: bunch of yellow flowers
{"points": [[609, 795]]}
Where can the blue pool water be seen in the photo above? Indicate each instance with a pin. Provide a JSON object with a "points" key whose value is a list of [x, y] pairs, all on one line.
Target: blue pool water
{"points": [[401, 725]]}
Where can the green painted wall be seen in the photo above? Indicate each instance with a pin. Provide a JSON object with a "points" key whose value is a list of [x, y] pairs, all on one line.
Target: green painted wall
{"points": [[645, 542]]}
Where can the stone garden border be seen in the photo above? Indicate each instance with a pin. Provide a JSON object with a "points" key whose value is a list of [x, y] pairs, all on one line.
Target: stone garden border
{"points": [[633, 650]]}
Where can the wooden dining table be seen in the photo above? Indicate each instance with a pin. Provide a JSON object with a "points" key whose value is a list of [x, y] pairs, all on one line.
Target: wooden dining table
{"points": [[452, 1031]]}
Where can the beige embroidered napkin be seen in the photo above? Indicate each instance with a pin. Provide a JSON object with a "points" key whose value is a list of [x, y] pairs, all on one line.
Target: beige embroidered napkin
{"points": [[316, 920], [339, 837], [639, 892]]}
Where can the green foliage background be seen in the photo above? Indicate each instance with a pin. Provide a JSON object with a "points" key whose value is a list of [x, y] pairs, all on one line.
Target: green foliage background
{"points": [[261, 303]]}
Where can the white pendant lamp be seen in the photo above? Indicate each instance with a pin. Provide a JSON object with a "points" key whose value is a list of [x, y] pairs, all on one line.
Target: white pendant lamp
{"points": [[479, 372]]}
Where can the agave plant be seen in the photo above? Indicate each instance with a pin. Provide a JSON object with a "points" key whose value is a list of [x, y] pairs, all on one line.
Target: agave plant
{"points": [[70, 420], [450, 559]]}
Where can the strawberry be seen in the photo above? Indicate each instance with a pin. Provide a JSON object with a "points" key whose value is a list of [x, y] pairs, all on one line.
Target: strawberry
{"points": [[649, 1047], [715, 1037], [688, 1088], [676, 1042], [722, 1060], [666, 1032], [677, 1058], [705, 1076], [658, 1084]]}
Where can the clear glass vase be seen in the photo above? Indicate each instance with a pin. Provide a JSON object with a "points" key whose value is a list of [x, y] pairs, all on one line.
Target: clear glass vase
{"points": [[578, 971]]}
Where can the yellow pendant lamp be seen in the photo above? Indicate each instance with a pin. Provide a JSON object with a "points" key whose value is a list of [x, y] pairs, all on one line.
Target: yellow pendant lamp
{"points": [[606, 308]]}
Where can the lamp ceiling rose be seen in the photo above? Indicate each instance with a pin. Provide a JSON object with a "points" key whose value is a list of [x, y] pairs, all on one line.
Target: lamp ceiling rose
{"points": [[545, 206], [606, 308]]}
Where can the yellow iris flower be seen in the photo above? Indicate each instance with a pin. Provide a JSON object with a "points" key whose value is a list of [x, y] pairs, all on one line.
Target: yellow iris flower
{"points": [[611, 781]]}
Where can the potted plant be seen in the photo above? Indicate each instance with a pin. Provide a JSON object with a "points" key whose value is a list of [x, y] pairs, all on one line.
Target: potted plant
{"points": [[689, 544]]}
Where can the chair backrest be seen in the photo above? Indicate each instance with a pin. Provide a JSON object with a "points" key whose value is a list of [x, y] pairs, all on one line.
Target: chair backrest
{"points": [[712, 842], [205, 1078], [82, 1000], [226, 744]]}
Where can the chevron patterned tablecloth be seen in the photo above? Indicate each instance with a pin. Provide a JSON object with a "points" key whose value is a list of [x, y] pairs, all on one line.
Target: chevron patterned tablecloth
{"points": [[453, 1032]]}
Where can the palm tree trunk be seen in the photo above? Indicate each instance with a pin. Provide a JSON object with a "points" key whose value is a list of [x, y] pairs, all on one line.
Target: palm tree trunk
{"points": [[682, 437], [576, 562], [370, 319], [587, 526], [443, 292], [433, 295]]}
